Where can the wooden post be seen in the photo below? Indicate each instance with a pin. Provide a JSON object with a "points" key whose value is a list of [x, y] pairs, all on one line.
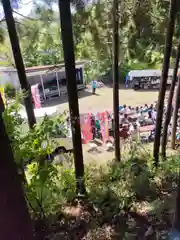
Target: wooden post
{"points": [[44, 94], [57, 79]]}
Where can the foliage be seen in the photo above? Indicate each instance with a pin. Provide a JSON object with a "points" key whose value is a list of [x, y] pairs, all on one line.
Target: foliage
{"points": [[116, 186], [142, 34], [33, 146], [10, 91], [35, 143], [112, 188]]}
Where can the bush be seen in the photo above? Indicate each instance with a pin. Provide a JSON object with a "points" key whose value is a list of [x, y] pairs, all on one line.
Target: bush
{"points": [[112, 188], [10, 91]]}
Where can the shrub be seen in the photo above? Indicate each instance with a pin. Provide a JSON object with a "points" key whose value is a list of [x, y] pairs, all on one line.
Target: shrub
{"points": [[112, 188], [10, 91]]}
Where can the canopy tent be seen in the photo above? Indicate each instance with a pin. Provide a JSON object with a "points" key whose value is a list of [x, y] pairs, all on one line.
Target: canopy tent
{"points": [[54, 73]]}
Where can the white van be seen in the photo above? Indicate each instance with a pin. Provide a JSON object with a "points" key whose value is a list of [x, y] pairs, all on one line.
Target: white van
{"points": [[145, 79]]}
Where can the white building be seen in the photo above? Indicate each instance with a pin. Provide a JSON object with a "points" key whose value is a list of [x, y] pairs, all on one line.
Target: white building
{"points": [[35, 75]]}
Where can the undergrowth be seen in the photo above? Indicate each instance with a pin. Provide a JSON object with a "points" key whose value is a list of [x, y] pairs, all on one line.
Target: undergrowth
{"points": [[123, 198], [117, 193]]}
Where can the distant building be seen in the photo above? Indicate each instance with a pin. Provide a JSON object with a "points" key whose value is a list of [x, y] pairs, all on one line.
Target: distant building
{"points": [[39, 74]]}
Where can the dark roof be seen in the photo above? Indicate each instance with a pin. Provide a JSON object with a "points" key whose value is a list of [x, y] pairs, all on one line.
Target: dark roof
{"points": [[46, 68], [49, 68]]}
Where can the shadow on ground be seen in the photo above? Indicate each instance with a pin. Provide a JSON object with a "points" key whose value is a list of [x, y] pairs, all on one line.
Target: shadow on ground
{"points": [[64, 99], [122, 87]]}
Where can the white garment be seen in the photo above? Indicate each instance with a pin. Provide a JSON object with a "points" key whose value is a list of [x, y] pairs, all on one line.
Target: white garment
{"points": [[128, 110], [122, 110], [154, 114], [138, 124], [125, 110], [131, 128], [145, 108]]}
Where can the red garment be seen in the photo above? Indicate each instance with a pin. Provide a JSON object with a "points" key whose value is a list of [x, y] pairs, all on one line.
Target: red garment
{"points": [[124, 133]]}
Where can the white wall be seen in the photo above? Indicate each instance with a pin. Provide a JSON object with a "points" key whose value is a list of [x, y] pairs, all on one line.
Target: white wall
{"points": [[9, 78]]}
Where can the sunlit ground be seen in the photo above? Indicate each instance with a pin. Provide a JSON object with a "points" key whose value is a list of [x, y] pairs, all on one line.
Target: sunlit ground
{"points": [[104, 101]]}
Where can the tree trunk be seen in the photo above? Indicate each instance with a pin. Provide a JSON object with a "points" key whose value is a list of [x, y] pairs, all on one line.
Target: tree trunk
{"points": [[175, 115], [69, 59], [15, 222], [19, 61], [165, 68], [116, 78], [169, 106], [176, 222]]}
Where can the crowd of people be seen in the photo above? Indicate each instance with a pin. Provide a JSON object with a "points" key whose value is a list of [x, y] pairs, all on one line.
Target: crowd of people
{"points": [[144, 116], [131, 120]]}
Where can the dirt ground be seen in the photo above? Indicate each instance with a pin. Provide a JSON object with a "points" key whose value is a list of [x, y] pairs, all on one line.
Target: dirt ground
{"points": [[103, 100]]}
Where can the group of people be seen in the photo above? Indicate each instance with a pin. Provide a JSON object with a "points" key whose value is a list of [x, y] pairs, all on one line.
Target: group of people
{"points": [[142, 113], [131, 120], [146, 115]]}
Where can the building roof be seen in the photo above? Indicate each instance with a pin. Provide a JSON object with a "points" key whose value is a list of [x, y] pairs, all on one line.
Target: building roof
{"points": [[43, 69], [50, 68]]}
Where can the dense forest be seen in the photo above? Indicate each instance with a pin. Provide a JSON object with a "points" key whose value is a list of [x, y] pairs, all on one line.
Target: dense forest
{"points": [[142, 34]]}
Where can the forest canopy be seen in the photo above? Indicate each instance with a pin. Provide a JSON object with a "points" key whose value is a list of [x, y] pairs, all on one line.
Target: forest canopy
{"points": [[142, 33]]}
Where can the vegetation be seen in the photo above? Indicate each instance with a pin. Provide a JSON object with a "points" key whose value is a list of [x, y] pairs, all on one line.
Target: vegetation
{"points": [[10, 91], [122, 197], [69, 60], [125, 199], [11, 27], [141, 36]]}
